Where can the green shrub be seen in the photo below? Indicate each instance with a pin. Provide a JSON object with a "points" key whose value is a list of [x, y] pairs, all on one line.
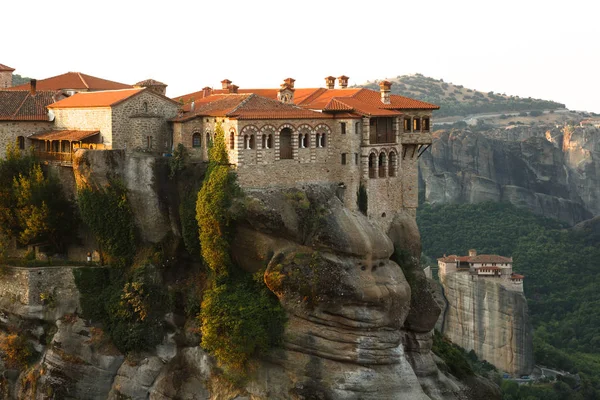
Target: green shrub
{"points": [[108, 215], [453, 356], [240, 318]]}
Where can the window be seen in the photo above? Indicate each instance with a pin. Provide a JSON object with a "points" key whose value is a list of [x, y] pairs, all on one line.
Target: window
{"points": [[252, 142], [149, 142], [417, 125], [318, 137], [343, 126], [208, 141], [145, 107], [285, 144], [357, 127], [406, 124], [426, 124], [343, 158], [231, 140], [355, 158], [306, 140], [196, 140], [270, 142], [372, 165], [381, 165], [21, 142], [246, 142], [322, 143], [263, 141]]}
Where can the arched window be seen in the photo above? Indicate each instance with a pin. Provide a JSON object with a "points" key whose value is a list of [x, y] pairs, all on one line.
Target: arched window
{"points": [[323, 141], [21, 142], [231, 140], [306, 140], [318, 139], [246, 142], [300, 141], [285, 144], [252, 142], [145, 106], [392, 163], [372, 165], [263, 141], [270, 142], [196, 140], [381, 165], [208, 141]]}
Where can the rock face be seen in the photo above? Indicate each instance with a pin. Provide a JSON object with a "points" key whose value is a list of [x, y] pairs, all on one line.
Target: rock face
{"points": [[494, 322], [348, 303], [551, 173]]}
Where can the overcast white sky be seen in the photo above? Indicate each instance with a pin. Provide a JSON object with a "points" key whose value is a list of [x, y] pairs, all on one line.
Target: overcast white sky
{"points": [[543, 49]]}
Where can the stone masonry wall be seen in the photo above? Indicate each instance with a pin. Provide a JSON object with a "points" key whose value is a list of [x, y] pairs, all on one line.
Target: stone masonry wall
{"points": [[5, 79], [42, 293], [86, 119], [10, 130], [205, 127], [141, 117]]}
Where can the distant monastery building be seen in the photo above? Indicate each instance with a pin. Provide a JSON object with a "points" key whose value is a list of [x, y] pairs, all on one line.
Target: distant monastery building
{"points": [[483, 266]]}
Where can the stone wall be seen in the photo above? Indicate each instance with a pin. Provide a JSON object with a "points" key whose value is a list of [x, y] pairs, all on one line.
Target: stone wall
{"points": [[41, 293], [141, 117], [86, 119], [5, 79], [10, 130], [482, 315]]}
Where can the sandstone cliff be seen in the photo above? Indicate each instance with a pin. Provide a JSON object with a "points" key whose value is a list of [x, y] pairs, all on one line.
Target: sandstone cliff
{"points": [[359, 323], [551, 172], [483, 316]]}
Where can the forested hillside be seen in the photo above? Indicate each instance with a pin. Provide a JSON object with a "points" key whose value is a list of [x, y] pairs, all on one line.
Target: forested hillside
{"points": [[458, 100], [19, 80], [562, 279]]}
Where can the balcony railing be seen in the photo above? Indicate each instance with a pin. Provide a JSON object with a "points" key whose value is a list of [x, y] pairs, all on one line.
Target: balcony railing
{"points": [[54, 156]]}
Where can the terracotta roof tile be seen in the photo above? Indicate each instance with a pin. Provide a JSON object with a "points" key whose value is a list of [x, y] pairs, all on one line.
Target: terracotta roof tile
{"points": [[482, 258], [6, 68], [106, 98], [259, 107], [64, 135], [517, 276], [22, 106], [214, 106], [75, 81], [396, 102]]}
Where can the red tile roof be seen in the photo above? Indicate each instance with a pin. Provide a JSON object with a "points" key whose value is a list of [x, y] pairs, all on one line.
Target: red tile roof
{"points": [[517, 276], [70, 135], [248, 106], [75, 81], [482, 258], [106, 98], [22, 106], [6, 68]]}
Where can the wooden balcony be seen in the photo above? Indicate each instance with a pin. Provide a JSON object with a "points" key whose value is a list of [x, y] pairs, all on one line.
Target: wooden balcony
{"points": [[55, 157]]}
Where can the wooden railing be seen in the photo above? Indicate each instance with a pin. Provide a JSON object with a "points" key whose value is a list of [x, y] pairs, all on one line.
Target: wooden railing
{"points": [[54, 156]]}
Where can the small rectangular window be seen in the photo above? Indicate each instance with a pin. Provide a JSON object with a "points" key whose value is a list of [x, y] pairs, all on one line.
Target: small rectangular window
{"points": [[406, 124], [417, 125], [356, 158], [149, 141], [343, 158], [343, 125], [426, 124]]}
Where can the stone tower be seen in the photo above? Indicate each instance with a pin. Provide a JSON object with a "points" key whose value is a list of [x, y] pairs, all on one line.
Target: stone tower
{"points": [[153, 85], [5, 76]]}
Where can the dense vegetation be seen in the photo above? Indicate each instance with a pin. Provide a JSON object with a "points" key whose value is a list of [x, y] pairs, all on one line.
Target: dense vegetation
{"points": [[240, 317], [457, 100], [33, 207], [19, 80], [561, 269]]}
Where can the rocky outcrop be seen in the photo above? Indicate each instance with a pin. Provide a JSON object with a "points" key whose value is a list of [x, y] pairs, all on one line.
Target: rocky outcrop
{"points": [[530, 167], [485, 317]]}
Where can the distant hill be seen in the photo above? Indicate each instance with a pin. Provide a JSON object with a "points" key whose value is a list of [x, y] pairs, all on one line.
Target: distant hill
{"points": [[458, 100], [19, 80]]}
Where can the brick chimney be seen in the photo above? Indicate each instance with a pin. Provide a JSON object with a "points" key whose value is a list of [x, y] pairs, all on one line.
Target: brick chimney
{"points": [[330, 82], [32, 86], [206, 91], [290, 82], [472, 253], [225, 83], [233, 88], [385, 87], [343, 81]]}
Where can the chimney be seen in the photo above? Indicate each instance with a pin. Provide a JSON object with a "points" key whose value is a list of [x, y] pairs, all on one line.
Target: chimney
{"points": [[233, 88], [225, 83], [343, 81], [385, 88], [206, 91], [330, 82], [290, 82], [472, 253], [32, 86]]}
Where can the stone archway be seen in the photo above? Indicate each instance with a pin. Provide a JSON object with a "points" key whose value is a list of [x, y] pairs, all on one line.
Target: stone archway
{"points": [[285, 144]]}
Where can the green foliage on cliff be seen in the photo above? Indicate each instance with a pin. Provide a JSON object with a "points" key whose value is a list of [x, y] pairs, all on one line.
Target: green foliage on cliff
{"points": [[457, 100], [453, 356], [108, 215], [213, 208], [561, 271], [240, 317], [33, 207]]}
